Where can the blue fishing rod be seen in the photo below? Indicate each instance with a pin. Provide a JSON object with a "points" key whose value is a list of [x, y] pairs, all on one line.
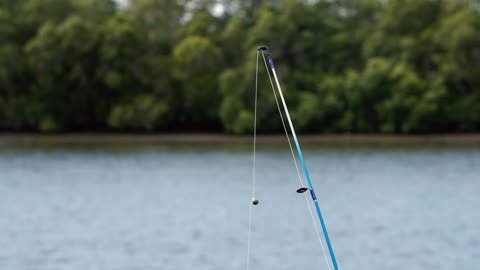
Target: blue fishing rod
{"points": [[264, 50]]}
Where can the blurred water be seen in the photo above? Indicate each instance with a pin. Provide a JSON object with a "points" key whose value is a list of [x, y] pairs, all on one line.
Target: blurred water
{"points": [[186, 207]]}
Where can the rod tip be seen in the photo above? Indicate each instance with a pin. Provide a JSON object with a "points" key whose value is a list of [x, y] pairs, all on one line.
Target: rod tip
{"points": [[262, 49]]}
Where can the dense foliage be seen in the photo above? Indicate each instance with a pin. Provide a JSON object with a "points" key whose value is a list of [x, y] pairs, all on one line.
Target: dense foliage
{"points": [[367, 66]]}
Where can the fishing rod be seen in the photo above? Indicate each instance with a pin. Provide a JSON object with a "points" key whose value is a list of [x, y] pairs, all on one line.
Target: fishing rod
{"points": [[266, 52]]}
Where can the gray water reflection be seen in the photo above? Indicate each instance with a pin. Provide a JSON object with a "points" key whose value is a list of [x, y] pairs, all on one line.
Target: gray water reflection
{"points": [[186, 207]]}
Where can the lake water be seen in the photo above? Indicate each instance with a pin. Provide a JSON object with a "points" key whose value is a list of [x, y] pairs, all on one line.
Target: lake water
{"points": [[175, 207]]}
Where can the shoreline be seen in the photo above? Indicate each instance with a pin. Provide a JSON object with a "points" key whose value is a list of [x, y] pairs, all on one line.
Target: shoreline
{"points": [[125, 138]]}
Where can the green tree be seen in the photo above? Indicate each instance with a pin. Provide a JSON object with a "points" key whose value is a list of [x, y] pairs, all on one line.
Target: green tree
{"points": [[64, 60], [197, 64], [142, 113]]}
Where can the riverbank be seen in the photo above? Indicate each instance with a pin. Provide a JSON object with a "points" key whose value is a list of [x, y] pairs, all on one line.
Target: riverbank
{"points": [[101, 138]]}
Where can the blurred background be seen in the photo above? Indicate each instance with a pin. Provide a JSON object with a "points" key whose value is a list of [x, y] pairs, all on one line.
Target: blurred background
{"points": [[162, 65], [125, 133]]}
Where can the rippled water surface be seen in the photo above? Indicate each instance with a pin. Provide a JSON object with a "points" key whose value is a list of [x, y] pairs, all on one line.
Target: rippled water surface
{"points": [[174, 207]]}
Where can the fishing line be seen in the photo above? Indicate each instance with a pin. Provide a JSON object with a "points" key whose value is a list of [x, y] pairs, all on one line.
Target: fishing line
{"points": [[295, 161], [254, 200]]}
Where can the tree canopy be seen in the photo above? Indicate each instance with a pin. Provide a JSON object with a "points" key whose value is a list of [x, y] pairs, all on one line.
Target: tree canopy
{"points": [[367, 66]]}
